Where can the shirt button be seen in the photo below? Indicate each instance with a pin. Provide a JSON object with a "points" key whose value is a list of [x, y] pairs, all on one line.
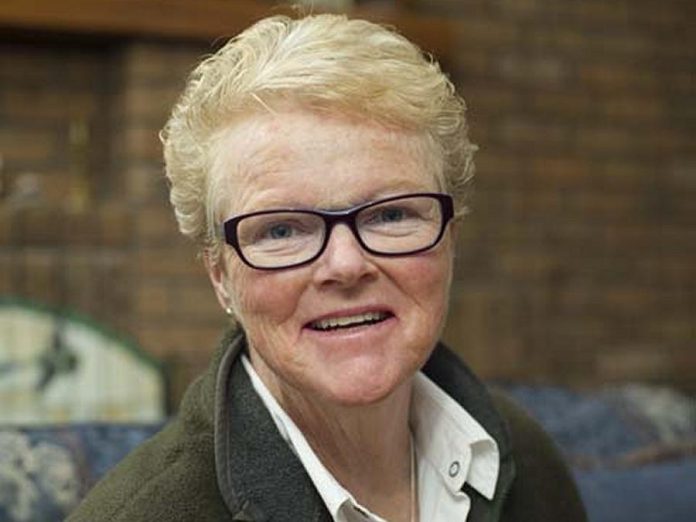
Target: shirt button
{"points": [[454, 469]]}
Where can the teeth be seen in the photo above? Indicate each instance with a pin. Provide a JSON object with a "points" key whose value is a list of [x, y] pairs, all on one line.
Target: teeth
{"points": [[351, 320]]}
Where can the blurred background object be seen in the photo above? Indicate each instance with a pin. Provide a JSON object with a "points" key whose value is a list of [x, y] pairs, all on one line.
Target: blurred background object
{"points": [[57, 368]]}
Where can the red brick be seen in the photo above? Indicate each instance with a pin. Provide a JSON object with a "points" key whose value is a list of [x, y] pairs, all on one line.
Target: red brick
{"points": [[152, 300], [539, 70], [6, 226], [39, 226], [605, 139], [116, 228], [525, 265], [45, 103], [156, 225], [616, 77], [144, 183], [56, 186], [559, 37], [151, 63], [494, 169], [521, 8], [471, 328], [180, 262], [29, 63], [80, 274], [557, 171], [472, 64], [149, 104], [634, 362], [633, 109], [625, 175], [564, 104], [173, 340], [196, 302], [22, 146], [483, 97], [42, 277], [141, 143], [81, 228], [486, 32], [526, 133], [679, 327], [8, 273], [597, 12]]}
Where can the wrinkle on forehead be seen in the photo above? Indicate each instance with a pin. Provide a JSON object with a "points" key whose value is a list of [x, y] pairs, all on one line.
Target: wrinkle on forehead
{"points": [[249, 150]]}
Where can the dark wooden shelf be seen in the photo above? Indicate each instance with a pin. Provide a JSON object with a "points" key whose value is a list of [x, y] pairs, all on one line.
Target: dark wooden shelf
{"points": [[206, 20]]}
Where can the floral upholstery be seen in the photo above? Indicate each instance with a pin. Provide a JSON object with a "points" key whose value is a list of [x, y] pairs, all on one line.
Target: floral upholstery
{"points": [[44, 472], [632, 450]]}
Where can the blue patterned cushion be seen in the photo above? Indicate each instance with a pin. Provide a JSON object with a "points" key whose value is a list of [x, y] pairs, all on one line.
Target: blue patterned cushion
{"points": [[633, 448], [44, 472]]}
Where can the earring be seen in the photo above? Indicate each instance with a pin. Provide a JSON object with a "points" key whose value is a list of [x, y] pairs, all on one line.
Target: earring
{"points": [[228, 311]]}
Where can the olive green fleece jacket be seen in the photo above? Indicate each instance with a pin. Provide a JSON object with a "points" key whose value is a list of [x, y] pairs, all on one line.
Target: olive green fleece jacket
{"points": [[223, 459]]}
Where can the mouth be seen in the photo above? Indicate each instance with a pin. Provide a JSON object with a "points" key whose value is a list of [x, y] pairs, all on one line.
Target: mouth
{"points": [[349, 321]]}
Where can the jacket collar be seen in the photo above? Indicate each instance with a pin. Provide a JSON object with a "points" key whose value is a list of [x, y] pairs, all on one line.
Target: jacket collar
{"points": [[261, 479]]}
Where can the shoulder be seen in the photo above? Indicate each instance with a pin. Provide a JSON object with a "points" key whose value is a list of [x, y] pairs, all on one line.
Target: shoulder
{"points": [[543, 488], [172, 476], [164, 478]]}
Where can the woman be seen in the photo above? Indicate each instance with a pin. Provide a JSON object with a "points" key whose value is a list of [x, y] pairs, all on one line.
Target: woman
{"points": [[321, 164]]}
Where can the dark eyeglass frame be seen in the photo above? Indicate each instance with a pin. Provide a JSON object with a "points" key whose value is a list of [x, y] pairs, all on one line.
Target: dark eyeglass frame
{"points": [[333, 217]]}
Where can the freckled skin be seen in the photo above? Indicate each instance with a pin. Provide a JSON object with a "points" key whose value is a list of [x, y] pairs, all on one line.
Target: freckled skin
{"points": [[300, 158]]}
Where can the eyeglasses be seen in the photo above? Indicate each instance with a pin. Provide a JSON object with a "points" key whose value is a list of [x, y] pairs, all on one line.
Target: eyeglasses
{"points": [[285, 238]]}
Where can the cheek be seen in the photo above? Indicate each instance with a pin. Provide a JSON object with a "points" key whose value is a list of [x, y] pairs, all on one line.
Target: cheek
{"points": [[427, 284], [264, 298], [430, 278]]}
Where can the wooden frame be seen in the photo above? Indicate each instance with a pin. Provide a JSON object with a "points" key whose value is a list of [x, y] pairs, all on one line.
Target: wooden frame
{"points": [[206, 20]]}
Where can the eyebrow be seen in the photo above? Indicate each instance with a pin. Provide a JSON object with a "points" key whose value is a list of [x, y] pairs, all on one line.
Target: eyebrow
{"points": [[274, 202], [399, 189]]}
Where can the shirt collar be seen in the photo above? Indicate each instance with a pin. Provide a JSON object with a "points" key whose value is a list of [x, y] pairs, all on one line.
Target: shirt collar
{"points": [[453, 442]]}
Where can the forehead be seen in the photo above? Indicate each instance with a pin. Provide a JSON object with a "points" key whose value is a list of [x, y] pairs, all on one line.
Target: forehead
{"points": [[301, 158]]}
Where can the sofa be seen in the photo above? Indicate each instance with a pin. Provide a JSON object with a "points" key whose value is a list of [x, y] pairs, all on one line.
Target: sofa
{"points": [[632, 450]]}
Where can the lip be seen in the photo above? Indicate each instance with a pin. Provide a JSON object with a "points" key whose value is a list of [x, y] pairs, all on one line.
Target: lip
{"points": [[346, 312]]}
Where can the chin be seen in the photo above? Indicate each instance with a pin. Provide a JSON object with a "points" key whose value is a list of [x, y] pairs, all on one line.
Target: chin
{"points": [[361, 390]]}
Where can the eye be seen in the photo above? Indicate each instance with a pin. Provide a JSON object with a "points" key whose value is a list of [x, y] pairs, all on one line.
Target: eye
{"points": [[385, 215], [391, 215], [279, 231]]}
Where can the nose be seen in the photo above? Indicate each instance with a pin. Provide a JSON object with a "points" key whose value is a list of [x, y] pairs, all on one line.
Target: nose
{"points": [[343, 262]]}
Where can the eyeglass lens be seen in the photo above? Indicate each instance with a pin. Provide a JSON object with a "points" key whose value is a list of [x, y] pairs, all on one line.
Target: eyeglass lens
{"points": [[283, 238]]}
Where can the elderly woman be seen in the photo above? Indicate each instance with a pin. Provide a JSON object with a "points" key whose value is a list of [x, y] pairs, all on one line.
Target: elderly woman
{"points": [[321, 164]]}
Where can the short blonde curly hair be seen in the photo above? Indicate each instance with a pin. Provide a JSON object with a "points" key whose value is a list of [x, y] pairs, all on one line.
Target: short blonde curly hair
{"points": [[328, 62]]}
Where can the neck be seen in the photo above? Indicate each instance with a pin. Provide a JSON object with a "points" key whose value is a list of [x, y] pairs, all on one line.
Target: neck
{"points": [[367, 448]]}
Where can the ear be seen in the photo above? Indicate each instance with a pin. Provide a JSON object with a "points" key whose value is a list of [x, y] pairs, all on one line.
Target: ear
{"points": [[217, 273]]}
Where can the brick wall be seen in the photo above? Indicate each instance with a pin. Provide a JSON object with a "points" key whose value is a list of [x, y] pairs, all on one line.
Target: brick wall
{"points": [[94, 231], [579, 261], [55, 245], [578, 264]]}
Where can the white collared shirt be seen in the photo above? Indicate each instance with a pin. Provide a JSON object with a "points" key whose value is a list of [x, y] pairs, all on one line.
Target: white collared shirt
{"points": [[452, 449]]}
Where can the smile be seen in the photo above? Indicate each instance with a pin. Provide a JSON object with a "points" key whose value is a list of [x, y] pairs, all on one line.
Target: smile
{"points": [[349, 321]]}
